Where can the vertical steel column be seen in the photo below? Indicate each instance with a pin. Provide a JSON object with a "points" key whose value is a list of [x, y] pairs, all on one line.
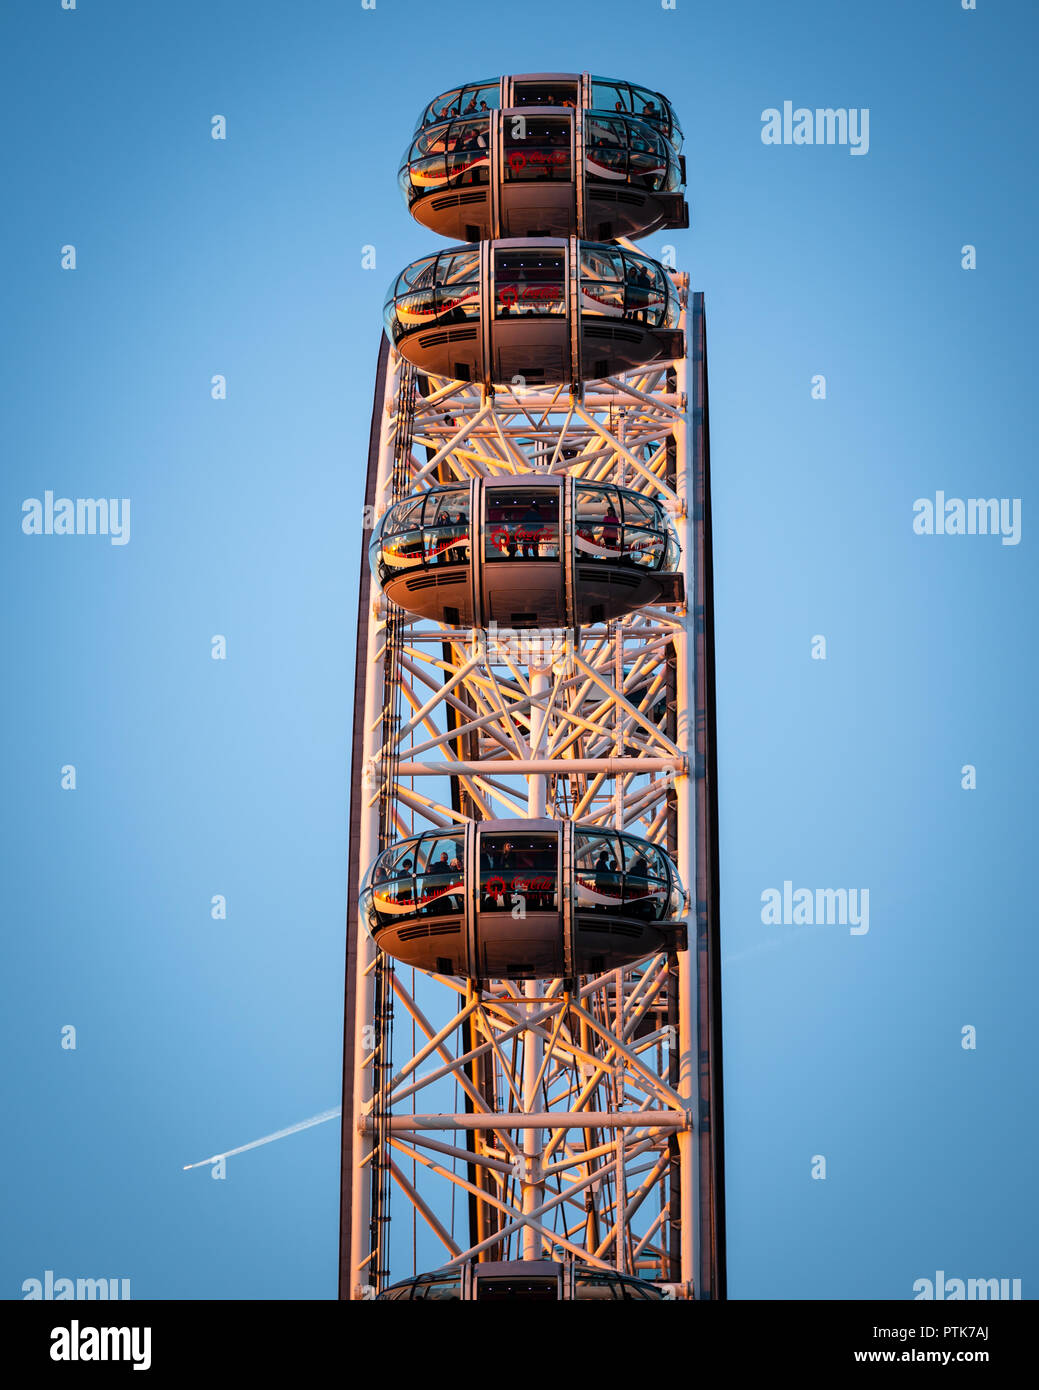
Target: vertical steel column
{"points": [[533, 1050], [360, 1248], [711, 1267], [689, 1239]]}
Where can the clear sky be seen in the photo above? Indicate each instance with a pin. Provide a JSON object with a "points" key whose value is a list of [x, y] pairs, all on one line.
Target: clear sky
{"points": [[197, 777]]}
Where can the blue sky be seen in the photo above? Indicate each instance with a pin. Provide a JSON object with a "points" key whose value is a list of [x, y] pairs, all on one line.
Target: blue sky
{"points": [[195, 777]]}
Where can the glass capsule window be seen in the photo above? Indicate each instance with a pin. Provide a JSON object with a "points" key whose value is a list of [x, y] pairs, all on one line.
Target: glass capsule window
{"points": [[470, 100], [618, 284], [612, 525], [529, 281], [537, 150], [405, 516], [544, 91], [622, 875], [417, 276], [444, 1289], [458, 285], [617, 526], [422, 876], [426, 532], [519, 868], [647, 104], [593, 1284], [611, 96], [625, 98], [605, 148], [450, 154], [646, 294], [456, 153], [620, 149], [440, 289], [607, 94], [522, 524], [600, 262]]}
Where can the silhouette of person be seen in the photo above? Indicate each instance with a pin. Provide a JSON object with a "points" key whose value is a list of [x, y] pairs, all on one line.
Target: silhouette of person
{"points": [[531, 530], [404, 889]]}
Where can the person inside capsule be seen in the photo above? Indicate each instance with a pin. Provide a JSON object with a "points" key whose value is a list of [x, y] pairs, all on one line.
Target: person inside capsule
{"points": [[521, 525], [530, 873], [501, 538], [446, 534], [532, 528], [497, 863], [529, 281], [395, 876], [610, 528], [404, 894], [639, 287]]}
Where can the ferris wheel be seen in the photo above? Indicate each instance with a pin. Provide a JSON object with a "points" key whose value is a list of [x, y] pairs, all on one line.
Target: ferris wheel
{"points": [[532, 1102]]}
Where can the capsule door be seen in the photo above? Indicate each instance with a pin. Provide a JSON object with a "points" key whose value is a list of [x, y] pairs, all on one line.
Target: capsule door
{"points": [[528, 312], [536, 160], [522, 555], [519, 925]]}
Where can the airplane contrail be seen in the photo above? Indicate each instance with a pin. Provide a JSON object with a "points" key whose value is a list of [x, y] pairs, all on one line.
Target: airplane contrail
{"points": [[270, 1138]]}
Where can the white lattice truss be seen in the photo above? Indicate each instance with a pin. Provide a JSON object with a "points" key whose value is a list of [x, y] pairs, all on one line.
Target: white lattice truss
{"points": [[573, 1135]]}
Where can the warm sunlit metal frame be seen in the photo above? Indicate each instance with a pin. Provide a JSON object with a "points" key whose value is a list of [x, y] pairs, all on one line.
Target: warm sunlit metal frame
{"points": [[582, 1121]]}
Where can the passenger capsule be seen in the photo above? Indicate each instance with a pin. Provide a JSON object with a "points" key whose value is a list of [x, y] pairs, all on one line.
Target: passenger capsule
{"points": [[523, 899], [527, 551], [544, 169], [524, 1281], [529, 313]]}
